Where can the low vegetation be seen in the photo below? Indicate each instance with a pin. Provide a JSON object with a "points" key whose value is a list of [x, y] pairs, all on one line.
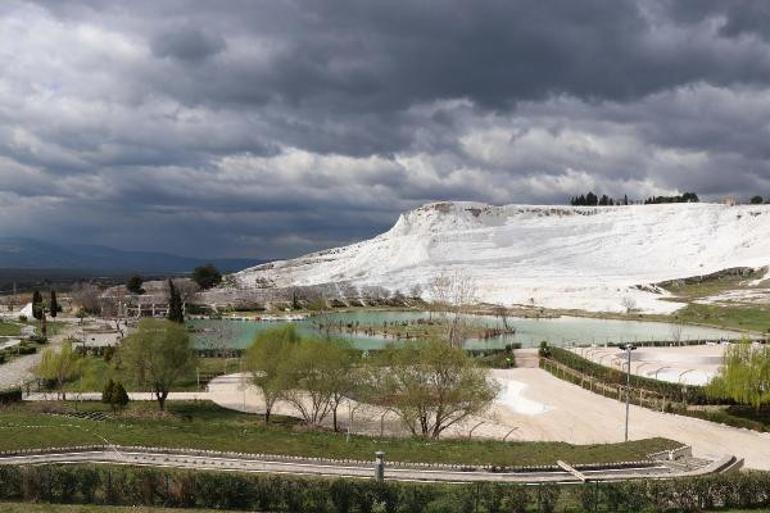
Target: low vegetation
{"points": [[744, 317], [260, 492], [25, 507], [9, 329], [203, 425], [431, 385]]}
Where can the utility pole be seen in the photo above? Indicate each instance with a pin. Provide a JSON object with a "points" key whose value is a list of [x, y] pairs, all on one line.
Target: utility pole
{"points": [[628, 348]]}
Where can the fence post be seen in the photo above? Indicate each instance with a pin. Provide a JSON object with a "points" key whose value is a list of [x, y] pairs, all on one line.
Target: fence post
{"points": [[379, 466]]}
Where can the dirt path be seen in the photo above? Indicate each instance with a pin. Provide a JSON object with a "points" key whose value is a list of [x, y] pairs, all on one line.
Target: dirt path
{"points": [[18, 371]]}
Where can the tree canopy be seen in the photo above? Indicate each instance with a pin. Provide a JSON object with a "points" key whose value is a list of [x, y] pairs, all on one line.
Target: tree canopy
{"points": [[38, 307], [134, 284], [745, 375], [431, 385], [59, 367], [156, 355], [175, 307], [207, 276], [53, 305], [265, 360]]}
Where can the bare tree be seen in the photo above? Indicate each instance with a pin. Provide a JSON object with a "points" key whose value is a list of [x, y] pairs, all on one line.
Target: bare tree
{"points": [[416, 291], [86, 295], [629, 304], [676, 333], [502, 312], [187, 289], [454, 294]]}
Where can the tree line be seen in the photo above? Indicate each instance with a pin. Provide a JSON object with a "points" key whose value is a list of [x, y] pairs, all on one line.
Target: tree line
{"points": [[592, 200], [431, 385]]}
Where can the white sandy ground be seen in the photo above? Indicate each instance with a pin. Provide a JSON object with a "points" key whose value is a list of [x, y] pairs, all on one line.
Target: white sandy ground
{"points": [[588, 258], [533, 406], [540, 407], [690, 365]]}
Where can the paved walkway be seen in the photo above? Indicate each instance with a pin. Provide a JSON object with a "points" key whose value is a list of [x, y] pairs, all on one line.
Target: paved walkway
{"points": [[19, 371], [254, 463]]}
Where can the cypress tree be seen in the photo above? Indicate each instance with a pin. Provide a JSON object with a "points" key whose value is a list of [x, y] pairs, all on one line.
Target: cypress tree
{"points": [[53, 306], [175, 313], [37, 305], [109, 389], [119, 397]]}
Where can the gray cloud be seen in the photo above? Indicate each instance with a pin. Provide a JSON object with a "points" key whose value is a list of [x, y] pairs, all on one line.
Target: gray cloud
{"points": [[272, 128]]}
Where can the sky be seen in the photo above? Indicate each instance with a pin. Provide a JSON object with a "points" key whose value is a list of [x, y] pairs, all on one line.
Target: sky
{"points": [[269, 129]]}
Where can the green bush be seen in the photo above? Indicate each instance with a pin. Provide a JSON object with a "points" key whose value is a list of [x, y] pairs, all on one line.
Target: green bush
{"points": [[10, 396], [95, 484]]}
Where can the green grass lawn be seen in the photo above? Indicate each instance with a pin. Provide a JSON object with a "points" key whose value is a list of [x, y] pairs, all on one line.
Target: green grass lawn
{"points": [[203, 425], [9, 329], [753, 318]]}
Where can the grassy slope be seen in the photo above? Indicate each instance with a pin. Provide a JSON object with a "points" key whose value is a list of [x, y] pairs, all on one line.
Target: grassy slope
{"points": [[9, 329], [753, 318], [206, 426]]}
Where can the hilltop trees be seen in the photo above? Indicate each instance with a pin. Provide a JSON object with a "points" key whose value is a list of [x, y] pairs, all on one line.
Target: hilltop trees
{"points": [[157, 355], [687, 197], [592, 200]]}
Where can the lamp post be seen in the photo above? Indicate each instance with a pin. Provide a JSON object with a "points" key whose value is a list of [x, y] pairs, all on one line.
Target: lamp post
{"points": [[628, 348]]}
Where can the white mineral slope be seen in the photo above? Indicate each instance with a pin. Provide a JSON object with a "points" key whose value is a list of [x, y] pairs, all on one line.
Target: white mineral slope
{"points": [[588, 258]]}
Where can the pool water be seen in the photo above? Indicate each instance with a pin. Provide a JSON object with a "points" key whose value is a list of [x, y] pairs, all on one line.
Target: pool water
{"points": [[561, 331]]}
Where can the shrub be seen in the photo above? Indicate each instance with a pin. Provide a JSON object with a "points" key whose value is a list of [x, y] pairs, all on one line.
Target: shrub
{"points": [[13, 395]]}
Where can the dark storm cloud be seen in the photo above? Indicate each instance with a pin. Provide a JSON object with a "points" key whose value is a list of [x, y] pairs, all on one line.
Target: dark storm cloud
{"points": [[188, 44], [270, 128]]}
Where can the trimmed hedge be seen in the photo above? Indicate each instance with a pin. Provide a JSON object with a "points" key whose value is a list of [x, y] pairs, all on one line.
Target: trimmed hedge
{"points": [[119, 485], [690, 394]]}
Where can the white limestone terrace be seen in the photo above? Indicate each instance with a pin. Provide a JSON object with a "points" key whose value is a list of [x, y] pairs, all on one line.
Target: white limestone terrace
{"points": [[588, 258]]}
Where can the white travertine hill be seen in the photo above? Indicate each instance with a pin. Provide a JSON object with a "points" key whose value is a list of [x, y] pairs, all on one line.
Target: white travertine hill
{"points": [[588, 258]]}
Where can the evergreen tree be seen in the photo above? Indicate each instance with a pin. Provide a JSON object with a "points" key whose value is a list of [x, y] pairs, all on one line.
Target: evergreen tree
{"points": [[592, 199], [175, 312], [625, 199], [134, 285], [119, 398], [207, 276], [53, 306], [757, 200], [37, 305], [109, 389]]}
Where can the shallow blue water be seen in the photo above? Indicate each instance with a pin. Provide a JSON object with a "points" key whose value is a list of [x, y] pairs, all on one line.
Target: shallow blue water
{"points": [[561, 331]]}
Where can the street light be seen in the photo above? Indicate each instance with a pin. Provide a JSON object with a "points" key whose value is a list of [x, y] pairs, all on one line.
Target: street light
{"points": [[628, 348]]}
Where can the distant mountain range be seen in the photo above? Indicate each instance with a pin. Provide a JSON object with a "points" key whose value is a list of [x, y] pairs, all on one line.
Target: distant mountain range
{"points": [[23, 253]]}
